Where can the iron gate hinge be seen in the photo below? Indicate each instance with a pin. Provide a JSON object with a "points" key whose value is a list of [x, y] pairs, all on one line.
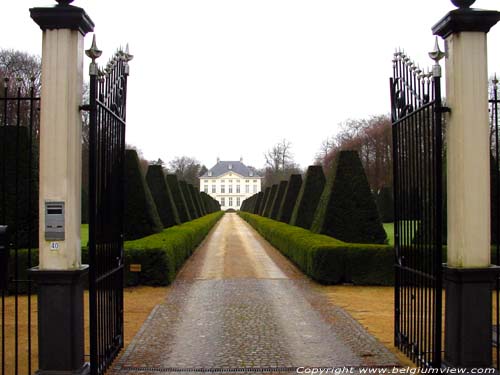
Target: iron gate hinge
{"points": [[445, 109], [85, 107]]}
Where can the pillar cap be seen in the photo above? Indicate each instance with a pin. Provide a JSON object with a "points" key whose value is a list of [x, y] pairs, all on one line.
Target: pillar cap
{"points": [[466, 19], [62, 16]]}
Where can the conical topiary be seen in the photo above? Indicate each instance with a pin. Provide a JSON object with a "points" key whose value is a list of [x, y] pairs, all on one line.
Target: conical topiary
{"points": [[289, 199], [162, 196], [141, 216], [347, 210], [270, 200], [178, 196], [308, 198], [278, 199]]}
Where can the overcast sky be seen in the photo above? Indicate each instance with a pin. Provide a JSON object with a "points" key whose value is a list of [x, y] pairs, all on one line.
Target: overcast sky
{"points": [[230, 78]]}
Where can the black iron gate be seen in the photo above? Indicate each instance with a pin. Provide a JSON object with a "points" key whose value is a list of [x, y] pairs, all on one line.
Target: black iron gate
{"points": [[108, 92], [417, 155], [19, 119]]}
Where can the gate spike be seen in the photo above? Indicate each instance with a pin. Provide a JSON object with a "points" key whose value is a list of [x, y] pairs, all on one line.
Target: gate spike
{"points": [[495, 79], [436, 54]]}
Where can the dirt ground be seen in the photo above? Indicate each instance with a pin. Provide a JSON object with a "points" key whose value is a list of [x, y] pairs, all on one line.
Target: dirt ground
{"points": [[138, 304], [372, 307]]}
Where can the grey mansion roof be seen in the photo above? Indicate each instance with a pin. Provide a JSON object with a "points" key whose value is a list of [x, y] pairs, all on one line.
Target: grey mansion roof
{"points": [[229, 166]]}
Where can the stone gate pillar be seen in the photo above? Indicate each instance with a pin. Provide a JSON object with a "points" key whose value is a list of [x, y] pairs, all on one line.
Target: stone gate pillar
{"points": [[60, 274], [468, 273]]}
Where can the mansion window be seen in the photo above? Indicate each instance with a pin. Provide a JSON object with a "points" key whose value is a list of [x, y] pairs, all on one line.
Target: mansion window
{"points": [[247, 189], [223, 201], [255, 188], [238, 189], [238, 202], [205, 189], [214, 189], [254, 181], [222, 189], [230, 188], [247, 181], [230, 201]]}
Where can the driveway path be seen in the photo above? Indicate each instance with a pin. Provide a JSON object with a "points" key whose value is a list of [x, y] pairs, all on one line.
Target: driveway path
{"points": [[239, 306]]}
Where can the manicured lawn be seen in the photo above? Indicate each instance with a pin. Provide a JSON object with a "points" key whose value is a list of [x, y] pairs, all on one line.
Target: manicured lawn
{"points": [[389, 229], [84, 234]]}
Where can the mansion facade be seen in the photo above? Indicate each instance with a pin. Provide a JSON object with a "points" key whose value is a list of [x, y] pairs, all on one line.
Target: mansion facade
{"points": [[230, 183]]}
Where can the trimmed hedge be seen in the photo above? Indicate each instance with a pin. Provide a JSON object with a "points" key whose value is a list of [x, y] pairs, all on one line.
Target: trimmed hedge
{"points": [[326, 259], [270, 200], [258, 202], [278, 199], [289, 199], [162, 196], [196, 200], [19, 185], [140, 216], [346, 210], [160, 255], [179, 200], [308, 198], [193, 213], [264, 201], [385, 204]]}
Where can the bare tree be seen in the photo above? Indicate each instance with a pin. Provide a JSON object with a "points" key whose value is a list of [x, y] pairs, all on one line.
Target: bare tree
{"points": [[20, 70], [187, 169], [279, 163]]}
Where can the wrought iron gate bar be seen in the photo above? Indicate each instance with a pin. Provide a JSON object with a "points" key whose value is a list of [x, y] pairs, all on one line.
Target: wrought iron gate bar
{"points": [[19, 118], [417, 158], [106, 158]]}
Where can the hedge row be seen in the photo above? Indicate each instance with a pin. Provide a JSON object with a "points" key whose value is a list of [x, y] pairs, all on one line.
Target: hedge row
{"points": [[160, 255], [340, 205], [325, 259], [158, 201]]}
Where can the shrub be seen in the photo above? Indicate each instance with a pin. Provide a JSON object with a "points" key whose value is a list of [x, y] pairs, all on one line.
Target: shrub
{"points": [[19, 185], [264, 201], [140, 216], [179, 200], [162, 196], [270, 200], [258, 202], [189, 200], [278, 199], [308, 198], [346, 210], [210, 203], [326, 259], [289, 199], [162, 255], [385, 204], [200, 210]]}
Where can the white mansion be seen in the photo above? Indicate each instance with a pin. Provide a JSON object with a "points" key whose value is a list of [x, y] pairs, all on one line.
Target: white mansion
{"points": [[230, 183]]}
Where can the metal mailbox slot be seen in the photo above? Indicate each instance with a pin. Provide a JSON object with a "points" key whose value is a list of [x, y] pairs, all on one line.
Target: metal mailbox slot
{"points": [[54, 221]]}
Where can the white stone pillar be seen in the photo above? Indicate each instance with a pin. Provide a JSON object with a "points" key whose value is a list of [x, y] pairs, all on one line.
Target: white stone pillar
{"points": [[468, 274], [60, 275], [60, 144]]}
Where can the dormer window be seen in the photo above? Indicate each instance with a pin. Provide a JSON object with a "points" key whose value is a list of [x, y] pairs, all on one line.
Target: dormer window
{"points": [[251, 174], [230, 166], [209, 174]]}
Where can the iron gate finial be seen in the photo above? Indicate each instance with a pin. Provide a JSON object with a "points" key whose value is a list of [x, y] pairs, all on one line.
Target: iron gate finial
{"points": [[94, 53], [436, 55], [463, 4]]}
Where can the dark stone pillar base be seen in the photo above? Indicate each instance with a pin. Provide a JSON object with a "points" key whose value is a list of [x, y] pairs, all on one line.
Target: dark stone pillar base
{"points": [[468, 331], [60, 321]]}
